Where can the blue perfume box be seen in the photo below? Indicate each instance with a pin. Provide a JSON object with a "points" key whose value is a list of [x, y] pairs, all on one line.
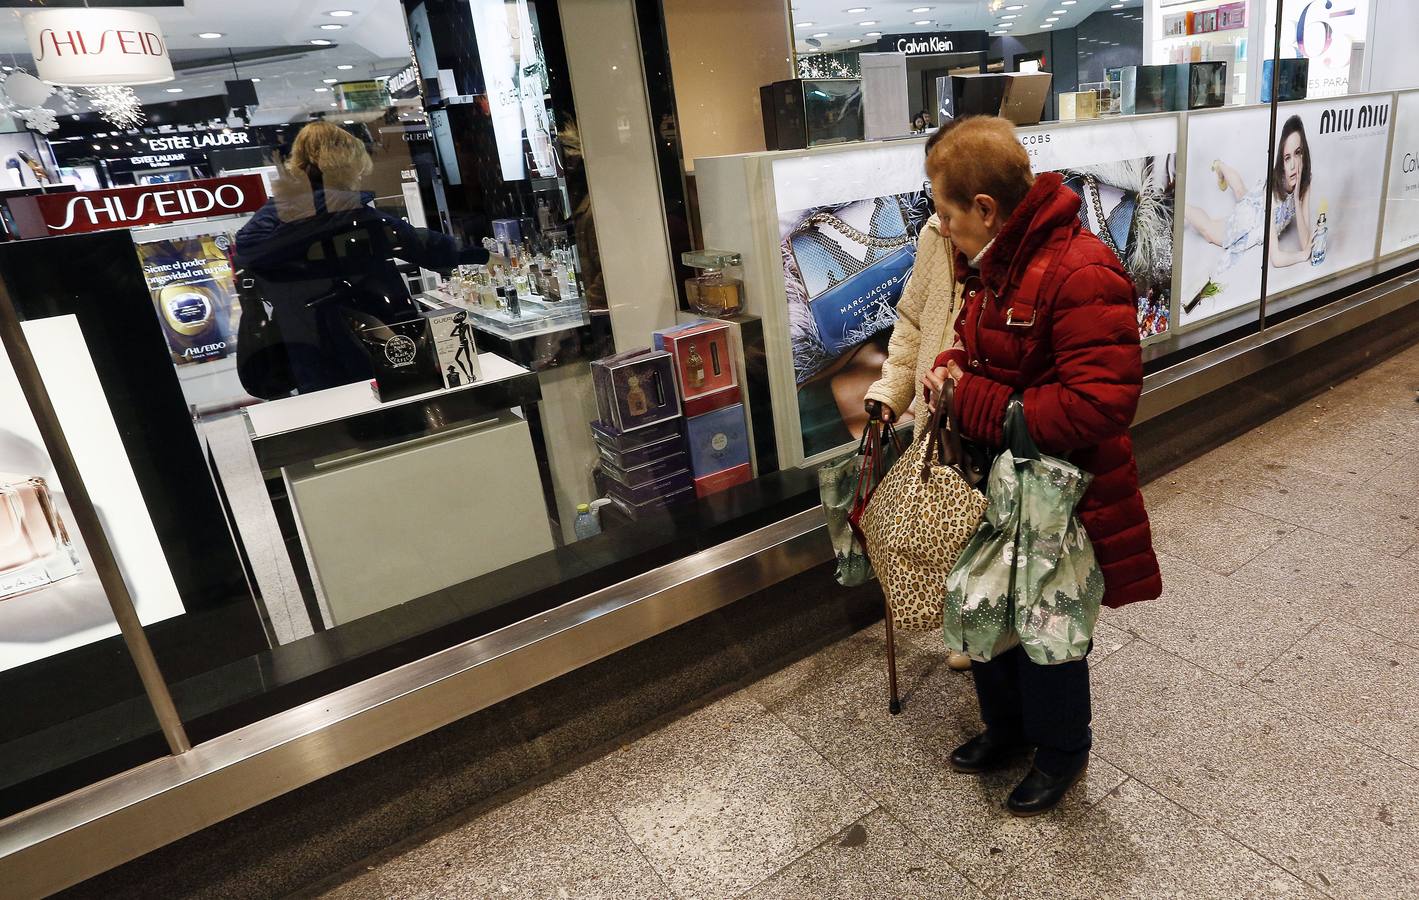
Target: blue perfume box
{"points": [[718, 440]]}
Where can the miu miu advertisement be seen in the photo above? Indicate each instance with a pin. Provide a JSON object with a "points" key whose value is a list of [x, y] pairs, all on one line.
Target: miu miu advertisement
{"points": [[50, 596]]}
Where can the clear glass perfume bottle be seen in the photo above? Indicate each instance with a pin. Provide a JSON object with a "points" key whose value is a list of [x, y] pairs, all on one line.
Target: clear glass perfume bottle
{"points": [[35, 550], [714, 292]]}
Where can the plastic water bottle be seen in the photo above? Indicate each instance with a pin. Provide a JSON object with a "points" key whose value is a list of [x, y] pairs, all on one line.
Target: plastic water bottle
{"points": [[587, 523]]}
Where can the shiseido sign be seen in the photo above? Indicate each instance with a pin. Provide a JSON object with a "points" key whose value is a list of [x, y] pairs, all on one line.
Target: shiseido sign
{"points": [[97, 46], [156, 204]]}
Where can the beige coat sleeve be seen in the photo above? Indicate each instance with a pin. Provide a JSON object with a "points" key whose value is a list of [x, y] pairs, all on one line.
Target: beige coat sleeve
{"points": [[897, 386]]}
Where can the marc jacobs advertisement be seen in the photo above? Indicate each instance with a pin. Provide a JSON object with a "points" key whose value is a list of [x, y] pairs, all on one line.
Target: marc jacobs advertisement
{"points": [[1324, 190], [1125, 173], [848, 223], [193, 291], [50, 597]]}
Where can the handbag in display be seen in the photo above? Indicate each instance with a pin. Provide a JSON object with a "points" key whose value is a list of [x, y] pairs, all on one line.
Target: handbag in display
{"points": [[1029, 576], [845, 485], [854, 261], [919, 518], [263, 364]]}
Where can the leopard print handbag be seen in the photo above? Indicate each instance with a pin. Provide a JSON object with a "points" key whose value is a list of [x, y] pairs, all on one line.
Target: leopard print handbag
{"points": [[919, 518]]}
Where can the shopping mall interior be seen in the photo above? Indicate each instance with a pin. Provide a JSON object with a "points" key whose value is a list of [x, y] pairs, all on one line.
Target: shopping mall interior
{"points": [[478, 448]]}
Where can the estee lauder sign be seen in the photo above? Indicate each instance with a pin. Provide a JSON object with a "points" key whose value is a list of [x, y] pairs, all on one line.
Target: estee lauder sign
{"points": [[157, 204], [97, 46]]}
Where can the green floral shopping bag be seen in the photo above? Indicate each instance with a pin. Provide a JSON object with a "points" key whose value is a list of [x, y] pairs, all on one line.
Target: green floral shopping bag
{"points": [[1029, 575], [845, 485]]}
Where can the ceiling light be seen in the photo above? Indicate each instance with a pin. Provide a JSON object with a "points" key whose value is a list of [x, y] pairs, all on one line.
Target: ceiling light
{"points": [[322, 90], [330, 80], [345, 68], [173, 90], [1016, 6], [210, 35], [868, 22], [921, 9], [331, 26], [1067, 2], [334, 104], [856, 9], [1059, 12], [349, 121], [874, 34], [256, 81], [1046, 26], [1011, 16], [322, 42], [1052, 19], [922, 22], [1000, 32], [854, 40], [1116, 6], [805, 25], [1007, 24], [341, 13], [820, 34]]}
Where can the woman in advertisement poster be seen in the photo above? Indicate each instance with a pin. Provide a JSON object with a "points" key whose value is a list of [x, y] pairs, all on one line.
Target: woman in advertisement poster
{"points": [[1049, 315], [1243, 229]]}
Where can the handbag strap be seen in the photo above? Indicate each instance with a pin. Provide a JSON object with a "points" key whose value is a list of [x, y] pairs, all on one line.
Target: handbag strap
{"points": [[943, 438], [1017, 431]]}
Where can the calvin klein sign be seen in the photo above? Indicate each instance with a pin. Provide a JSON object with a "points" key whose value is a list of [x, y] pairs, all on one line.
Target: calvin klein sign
{"points": [[926, 43], [158, 204]]}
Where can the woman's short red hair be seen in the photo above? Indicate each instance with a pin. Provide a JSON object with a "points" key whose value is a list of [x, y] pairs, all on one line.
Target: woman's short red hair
{"points": [[979, 155]]}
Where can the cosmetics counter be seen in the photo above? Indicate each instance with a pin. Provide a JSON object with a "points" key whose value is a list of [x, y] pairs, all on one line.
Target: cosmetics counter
{"points": [[828, 234]]}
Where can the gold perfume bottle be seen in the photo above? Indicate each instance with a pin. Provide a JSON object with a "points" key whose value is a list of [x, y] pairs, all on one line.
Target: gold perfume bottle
{"points": [[637, 404], [35, 550], [713, 291], [695, 364]]}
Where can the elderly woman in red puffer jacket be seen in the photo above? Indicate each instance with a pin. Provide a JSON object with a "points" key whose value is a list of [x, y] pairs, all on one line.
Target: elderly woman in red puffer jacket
{"points": [[1049, 314]]}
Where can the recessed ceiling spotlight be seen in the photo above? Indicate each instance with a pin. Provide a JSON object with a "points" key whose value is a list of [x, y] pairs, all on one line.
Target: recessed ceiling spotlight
{"points": [[349, 121], [1016, 6], [1011, 16], [1059, 12], [868, 22], [1046, 26], [874, 34], [1052, 19], [1067, 2], [922, 22], [805, 25], [1000, 32], [210, 35], [856, 9], [256, 81], [334, 104], [921, 9], [173, 90], [331, 26], [322, 42], [322, 90], [330, 80], [854, 40], [341, 13], [345, 68], [820, 34], [1116, 6]]}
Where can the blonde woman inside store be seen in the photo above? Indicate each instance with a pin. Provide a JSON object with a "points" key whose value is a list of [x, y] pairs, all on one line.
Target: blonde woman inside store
{"points": [[925, 315]]}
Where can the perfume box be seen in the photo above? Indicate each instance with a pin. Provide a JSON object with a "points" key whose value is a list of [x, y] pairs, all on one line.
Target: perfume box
{"points": [[1206, 84], [404, 359], [647, 472], [635, 389], [718, 440], [1074, 105], [1232, 15], [673, 485], [508, 233], [704, 403], [703, 364], [639, 456], [1295, 79], [622, 441], [453, 341], [636, 511], [715, 482]]}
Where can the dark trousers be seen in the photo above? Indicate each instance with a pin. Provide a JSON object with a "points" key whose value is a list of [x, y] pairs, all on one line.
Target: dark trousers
{"points": [[1047, 706]]}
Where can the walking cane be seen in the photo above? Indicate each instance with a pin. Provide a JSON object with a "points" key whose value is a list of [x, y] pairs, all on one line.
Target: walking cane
{"points": [[894, 704]]}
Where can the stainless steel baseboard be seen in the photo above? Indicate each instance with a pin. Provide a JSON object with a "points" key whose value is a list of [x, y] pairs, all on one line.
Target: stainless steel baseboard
{"points": [[61, 843]]}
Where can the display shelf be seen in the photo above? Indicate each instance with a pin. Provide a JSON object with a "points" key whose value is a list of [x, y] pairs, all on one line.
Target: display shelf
{"points": [[538, 316]]}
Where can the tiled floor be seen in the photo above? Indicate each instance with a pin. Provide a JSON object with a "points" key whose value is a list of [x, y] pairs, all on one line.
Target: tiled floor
{"points": [[1257, 729]]}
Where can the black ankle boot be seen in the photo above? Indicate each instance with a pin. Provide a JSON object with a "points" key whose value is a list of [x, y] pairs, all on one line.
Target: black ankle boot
{"points": [[1041, 792], [984, 753]]}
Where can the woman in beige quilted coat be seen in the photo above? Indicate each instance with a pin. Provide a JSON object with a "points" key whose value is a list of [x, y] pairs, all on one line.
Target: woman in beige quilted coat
{"points": [[926, 315]]}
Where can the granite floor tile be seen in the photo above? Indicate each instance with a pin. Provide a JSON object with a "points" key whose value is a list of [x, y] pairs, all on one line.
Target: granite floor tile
{"points": [[900, 761], [559, 840], [1366, 588], [1108, 638], [1342, 817], [1226, 626], [874, 857], [725, 797], [1202, 530], [359, 885], [1135, 843], [828, 663], [1352, 680]]}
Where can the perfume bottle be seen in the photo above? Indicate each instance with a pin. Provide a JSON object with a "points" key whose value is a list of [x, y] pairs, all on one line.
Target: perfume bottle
{"points": [[695, 367], [713, 292], [637, 404], [35, 550]]}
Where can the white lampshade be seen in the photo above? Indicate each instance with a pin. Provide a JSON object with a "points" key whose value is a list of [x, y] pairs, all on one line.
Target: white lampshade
{"points": [[97, 46]]}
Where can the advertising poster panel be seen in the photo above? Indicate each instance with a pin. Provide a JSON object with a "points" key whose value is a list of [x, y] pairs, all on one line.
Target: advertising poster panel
{"points": [[195, 296], [848, 223], [50, 596], [1325, 190], [1125, 173], [1330, 33], [1401, 229]]}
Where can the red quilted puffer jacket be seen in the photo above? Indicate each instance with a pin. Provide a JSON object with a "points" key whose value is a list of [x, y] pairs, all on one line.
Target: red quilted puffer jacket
{"points": [[1052, 314]]}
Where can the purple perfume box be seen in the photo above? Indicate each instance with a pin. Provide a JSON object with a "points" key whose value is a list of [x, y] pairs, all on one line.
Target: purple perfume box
{"points": [[635, 390], [629, 459], [610, 437], [652, 492], [646, 473]]}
